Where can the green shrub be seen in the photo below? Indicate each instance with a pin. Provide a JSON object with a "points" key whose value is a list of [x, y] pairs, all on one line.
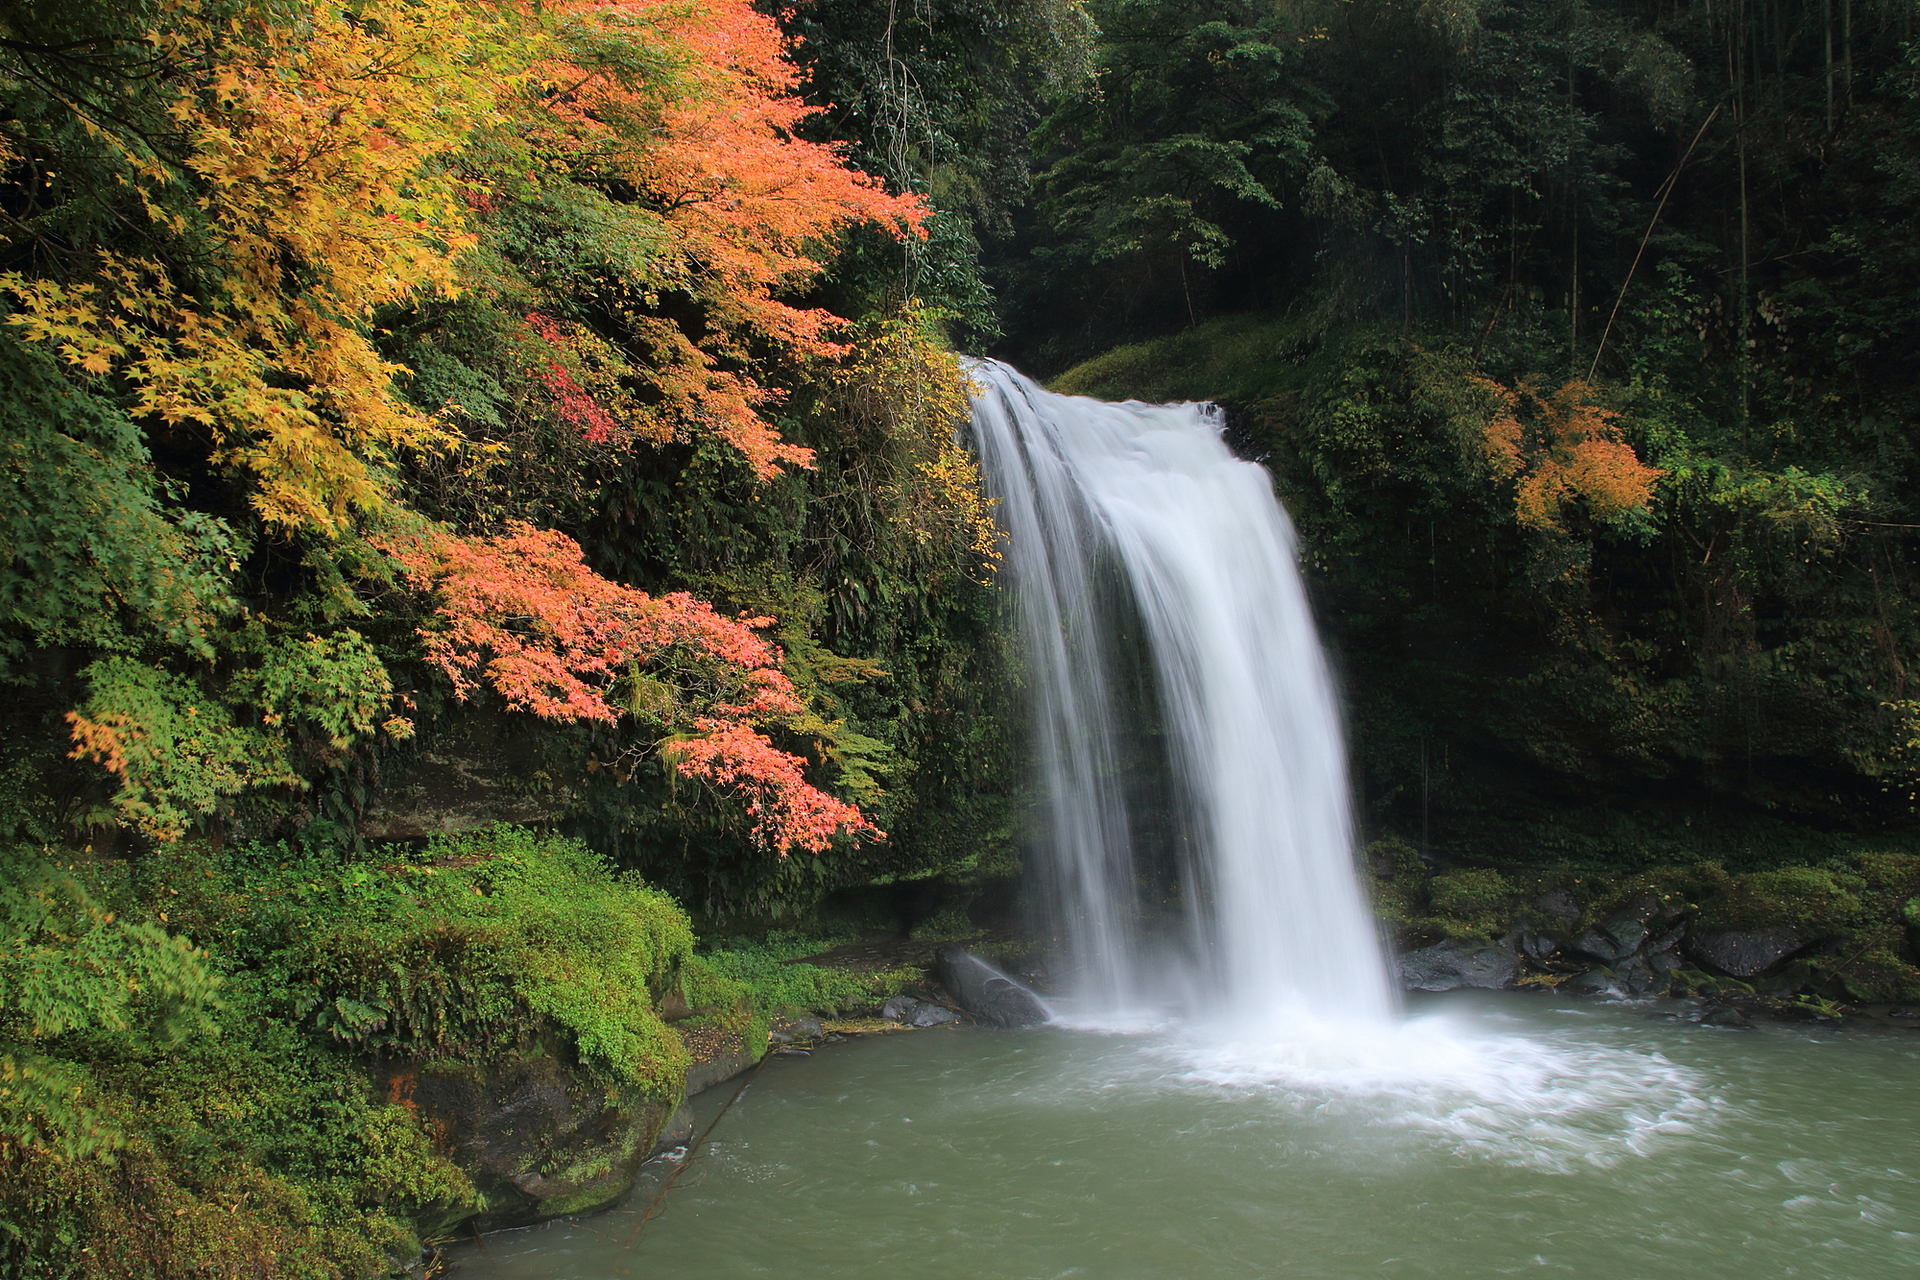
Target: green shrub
{"points": [[470, 946]]}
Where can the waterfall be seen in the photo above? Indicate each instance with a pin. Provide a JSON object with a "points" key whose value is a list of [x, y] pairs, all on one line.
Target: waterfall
{"points": [[1177, 684]]}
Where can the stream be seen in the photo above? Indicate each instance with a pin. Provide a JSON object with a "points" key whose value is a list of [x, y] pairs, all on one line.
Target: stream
{"points": [[1487, 1134]]}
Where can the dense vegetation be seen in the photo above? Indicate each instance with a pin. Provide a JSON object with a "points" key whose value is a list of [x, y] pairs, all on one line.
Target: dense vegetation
{"points": [[424, 413], [1577, 336]]}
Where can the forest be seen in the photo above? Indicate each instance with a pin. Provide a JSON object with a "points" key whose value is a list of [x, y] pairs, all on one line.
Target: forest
{"points": [[491, 547]]}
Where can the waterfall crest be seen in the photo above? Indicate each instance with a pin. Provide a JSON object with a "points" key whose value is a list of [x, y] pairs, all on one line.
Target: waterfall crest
{"points": [[1142, 553]]}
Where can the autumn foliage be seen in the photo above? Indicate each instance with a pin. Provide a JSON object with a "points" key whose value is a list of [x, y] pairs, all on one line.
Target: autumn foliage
{"points": [[1571, 449], [742, 205], [348, 160], [306, 192], [522, 614]]}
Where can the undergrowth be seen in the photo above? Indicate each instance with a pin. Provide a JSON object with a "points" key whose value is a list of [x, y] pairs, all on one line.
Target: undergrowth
{"points": [[187, 1041]]}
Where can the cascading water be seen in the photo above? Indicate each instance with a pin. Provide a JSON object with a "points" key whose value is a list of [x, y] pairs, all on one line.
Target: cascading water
{"points": [[1120, 510]]}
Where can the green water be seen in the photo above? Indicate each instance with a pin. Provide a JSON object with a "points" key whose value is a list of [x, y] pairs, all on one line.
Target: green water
{"points": [[1504, 1135]]}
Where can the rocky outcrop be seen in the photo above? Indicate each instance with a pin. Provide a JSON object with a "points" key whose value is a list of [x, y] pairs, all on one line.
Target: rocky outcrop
{"points": [[537, 1139], [541, 1140], [987, 993], [1449, 965]]}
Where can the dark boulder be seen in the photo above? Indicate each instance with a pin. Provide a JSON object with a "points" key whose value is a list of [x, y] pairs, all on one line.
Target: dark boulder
{"points": [[987, 993], [1744, 953], [1627, 932], [1448, 965], [931, 1015]]}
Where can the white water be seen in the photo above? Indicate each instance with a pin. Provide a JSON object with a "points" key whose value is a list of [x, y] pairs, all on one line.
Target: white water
{"points": [[1275, 931]]}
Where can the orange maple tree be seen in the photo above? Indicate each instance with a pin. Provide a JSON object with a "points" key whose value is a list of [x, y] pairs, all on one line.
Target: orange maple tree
{"points": [[525, 615], [1573, 450], [695, 108]]}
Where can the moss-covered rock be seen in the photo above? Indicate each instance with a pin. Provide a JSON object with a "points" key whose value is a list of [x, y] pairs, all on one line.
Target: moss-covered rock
{"points": [[536, 1136]]}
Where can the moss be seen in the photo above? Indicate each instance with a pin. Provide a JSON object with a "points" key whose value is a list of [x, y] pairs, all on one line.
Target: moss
{"points": [[259, 1151], [1244, 358], [1809, 899], [1888, 872], [266, 1134], [1877, 973], [1469, 893]]}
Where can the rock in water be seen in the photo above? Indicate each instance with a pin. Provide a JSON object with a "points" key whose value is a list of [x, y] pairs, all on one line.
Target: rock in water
{"points": [[985, 992], [1447, 965], [932, 1015], [898, 1008], [1744, 953]]}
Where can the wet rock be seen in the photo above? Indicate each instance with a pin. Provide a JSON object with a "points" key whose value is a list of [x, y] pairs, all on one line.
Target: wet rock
{"points": [[1603, 947], [718, 1053], [932, 1015], [985, 992], [677, 1132], [1667, 941], [1538, 946], [1627, 932], [1724, 1015], [1606, 983], [1744, 953], [898, 1008], [1596, 982], [538, 1139], [1636, 977], [1452, 964], [469, 770]]}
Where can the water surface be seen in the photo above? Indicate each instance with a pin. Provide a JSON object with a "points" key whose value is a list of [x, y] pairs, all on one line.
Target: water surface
{"points": [[1566, 1138]]}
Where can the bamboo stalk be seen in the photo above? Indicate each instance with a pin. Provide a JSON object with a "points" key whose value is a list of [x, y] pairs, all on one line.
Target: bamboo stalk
{"points": [[1666, 190]]}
